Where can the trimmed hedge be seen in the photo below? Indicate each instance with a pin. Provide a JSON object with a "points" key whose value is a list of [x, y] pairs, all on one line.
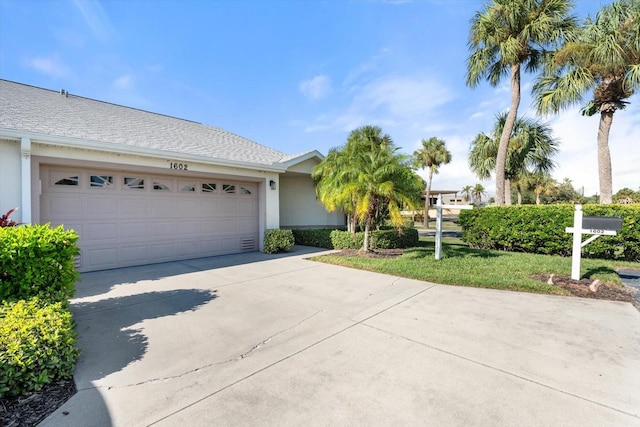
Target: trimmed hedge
{"points": [[340, 239], [37, 260], [540, 229], [380, 239], [37, 345], [276, 240], [317, 237]]}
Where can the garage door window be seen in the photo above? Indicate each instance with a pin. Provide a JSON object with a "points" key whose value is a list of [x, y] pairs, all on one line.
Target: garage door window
{"points": [[209, 187], [101, 181], [187, 187], [228, 188], [134, 183], [161, 186], [66, 180]]}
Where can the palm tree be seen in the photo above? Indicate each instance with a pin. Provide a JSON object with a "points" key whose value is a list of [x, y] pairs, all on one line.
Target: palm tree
{"points": [[431, 156], [367, 175], [478, 192], [466, 190], [605, 59], [529, 150], [505, 36], [330, 177], [542, 184]]}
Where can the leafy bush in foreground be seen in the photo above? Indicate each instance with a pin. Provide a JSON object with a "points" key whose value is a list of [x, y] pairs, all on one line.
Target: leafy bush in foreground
{"points": [[37, 260], [37, 345]]}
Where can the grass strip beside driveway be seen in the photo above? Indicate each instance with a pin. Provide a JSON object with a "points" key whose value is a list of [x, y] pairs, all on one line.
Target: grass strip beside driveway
{"points": [[465, 266]]}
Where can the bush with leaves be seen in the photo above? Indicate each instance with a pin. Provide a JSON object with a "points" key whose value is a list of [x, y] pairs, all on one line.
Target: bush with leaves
{"points": [[380, 239], [541, 229], [37, 345], [37, 260], [276, 240], [317, 237]]}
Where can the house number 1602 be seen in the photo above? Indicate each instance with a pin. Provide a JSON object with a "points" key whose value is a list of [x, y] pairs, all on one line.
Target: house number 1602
{"points": [[178, 166]]}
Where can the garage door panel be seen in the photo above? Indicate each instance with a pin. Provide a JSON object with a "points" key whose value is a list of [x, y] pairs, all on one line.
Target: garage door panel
{"points": [[247, 225], [186, 208], [209, 207], [134, 254], [161, 208], [228, 207], [189, 228], [248, 207], [229, 225], [102, 232], [133, 230], [228, 244], [188, 249], [65, 206], [208, 226], [170, 218], [99, 258], [211, 247], [163, 251], [130, 207], [100, 206], [163, 229]]}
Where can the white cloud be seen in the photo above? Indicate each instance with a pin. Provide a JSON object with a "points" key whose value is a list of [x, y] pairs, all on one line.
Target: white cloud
{"points": [[50, 65], [96, 19], [387, 101], [123, 82], [578, 156], [316, 88]]}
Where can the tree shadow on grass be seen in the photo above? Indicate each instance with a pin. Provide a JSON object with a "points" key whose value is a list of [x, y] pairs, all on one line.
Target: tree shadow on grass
{"points": [[449, 250]]}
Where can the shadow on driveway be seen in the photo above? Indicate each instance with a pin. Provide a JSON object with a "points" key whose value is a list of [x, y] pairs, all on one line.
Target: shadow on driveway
{"points": [[101, 282]]}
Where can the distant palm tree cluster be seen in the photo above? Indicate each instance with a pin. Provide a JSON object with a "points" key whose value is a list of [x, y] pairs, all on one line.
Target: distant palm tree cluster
{"points": [[371, 182], [600, 56]]}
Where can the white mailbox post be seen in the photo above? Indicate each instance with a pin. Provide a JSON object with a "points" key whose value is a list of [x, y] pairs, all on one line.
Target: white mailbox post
{"points": [[596, 226], [439, 208]]}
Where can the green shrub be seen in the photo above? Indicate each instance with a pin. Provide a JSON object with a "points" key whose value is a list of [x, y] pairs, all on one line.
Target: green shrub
{"points": [[341, 239], [37, 345], [541, 229], [276, 240], [317, 237], [380, 239], [37, 260], [392, 239]]}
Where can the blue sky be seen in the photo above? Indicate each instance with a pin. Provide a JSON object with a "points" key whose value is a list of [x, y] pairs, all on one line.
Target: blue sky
{"points": [[296, 75]]}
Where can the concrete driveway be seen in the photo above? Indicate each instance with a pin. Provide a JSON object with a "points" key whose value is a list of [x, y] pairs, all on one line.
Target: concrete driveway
{"points": [[263, 340]]}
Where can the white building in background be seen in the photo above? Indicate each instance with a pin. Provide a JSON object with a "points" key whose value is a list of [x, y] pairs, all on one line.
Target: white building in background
{"points": [[140, 187]]}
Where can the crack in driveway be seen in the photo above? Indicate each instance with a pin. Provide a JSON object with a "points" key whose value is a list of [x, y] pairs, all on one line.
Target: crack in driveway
{"points": [[233, 359]]}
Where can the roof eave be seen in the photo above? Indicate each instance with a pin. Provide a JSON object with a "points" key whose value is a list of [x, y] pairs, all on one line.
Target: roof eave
{"points": [[125, 149]]}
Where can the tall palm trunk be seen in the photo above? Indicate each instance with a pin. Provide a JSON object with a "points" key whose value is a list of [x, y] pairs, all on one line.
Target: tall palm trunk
{"points": [[604, 157], [507, 192], [501, 160], [427, 200]]}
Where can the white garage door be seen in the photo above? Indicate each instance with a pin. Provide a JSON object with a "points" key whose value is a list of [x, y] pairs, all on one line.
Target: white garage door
{"points": [[127, 218]]}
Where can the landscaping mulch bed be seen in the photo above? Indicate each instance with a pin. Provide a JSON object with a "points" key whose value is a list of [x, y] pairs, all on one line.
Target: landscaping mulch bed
{"points": [[589, 288], [27, 411]]}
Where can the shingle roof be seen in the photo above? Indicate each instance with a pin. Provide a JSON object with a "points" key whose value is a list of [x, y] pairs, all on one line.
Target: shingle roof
{"points": [[46, 112]]}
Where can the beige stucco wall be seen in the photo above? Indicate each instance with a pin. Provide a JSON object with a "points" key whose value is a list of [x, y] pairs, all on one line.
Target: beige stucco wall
{"points": [[299, 207], [10, 181]]}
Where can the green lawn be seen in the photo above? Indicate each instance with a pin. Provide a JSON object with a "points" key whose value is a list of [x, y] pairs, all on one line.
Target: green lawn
{"points": [[462, 265]]}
